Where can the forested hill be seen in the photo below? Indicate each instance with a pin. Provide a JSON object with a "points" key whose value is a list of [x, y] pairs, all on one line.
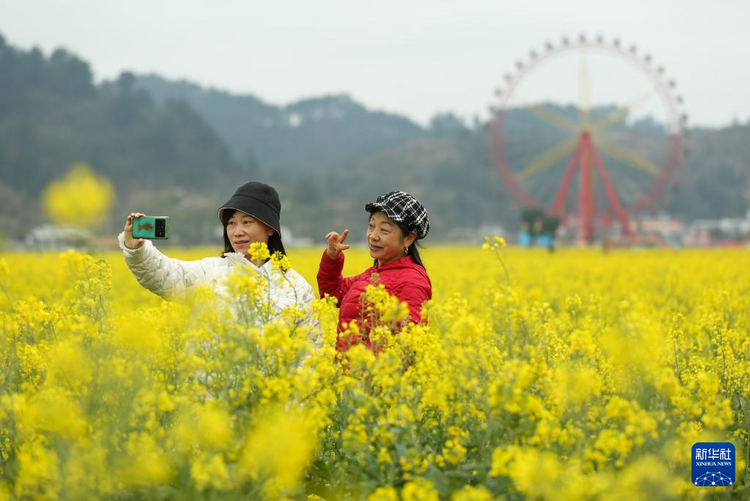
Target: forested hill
{"points": [[52, 115], [332, 144], [179, 149], [305, 135]]}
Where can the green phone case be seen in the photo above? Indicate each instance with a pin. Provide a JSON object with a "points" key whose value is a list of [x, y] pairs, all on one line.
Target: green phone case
{"points": [[151, 227]]}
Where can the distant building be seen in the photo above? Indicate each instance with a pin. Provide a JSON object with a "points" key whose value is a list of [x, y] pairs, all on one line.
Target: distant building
{"points": [[662, 225], [660, 230], [718, 232], [51, 237]]}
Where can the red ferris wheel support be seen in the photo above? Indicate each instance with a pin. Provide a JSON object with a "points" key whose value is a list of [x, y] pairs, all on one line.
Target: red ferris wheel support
{"points": [[585, 158]]}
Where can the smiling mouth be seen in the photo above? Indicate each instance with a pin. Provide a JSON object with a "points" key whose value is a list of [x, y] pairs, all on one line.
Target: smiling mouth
{"points": [[240, 242]]}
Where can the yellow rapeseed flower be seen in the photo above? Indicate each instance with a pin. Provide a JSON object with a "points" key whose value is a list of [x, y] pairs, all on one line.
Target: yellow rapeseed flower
{"points": [[277, 452]]}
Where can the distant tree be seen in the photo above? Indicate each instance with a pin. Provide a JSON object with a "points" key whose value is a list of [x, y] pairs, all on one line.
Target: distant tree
{"points": [[539, 222], [81, 199], [70, 76], [444, 124], [550, 225], [126, 81]]}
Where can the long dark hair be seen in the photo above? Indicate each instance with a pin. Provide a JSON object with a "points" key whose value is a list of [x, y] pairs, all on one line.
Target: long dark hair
{"points": [[274, 241], [413, 251]]}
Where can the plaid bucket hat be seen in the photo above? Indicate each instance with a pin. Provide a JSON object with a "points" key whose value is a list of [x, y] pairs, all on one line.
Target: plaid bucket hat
{"points": [[402, 208]]}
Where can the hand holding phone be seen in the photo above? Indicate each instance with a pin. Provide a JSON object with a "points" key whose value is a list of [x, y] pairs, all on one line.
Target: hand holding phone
{"points": [[139, 226], [151, 227]]}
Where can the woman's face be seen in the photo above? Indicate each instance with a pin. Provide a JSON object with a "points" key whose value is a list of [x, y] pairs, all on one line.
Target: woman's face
{"points": [[385, 239], [243, 230]]}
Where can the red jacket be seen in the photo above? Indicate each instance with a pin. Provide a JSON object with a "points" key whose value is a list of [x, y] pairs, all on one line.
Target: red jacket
{"points": [[402, 278]]}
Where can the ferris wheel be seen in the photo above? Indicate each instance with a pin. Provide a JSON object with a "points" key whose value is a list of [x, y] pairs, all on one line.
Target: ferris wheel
{"points": [[590, 165]]}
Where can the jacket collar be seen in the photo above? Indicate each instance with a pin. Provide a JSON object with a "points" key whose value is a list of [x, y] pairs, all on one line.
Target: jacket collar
{"points": [[239, 258], [402, 262]]}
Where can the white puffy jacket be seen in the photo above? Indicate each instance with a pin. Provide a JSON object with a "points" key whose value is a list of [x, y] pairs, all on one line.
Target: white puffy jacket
{"points": [[176, 280]]}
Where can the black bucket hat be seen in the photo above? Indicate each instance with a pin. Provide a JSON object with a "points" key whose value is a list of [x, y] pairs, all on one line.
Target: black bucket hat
{"points": [[258, 200], [402, 208]]}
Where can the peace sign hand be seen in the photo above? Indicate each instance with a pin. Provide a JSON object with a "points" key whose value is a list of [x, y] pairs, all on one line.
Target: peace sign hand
{"points": [[336, 244]]}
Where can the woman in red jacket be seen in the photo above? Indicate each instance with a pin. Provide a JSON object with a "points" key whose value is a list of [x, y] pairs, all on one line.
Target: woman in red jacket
{"points": [[397, 221]]}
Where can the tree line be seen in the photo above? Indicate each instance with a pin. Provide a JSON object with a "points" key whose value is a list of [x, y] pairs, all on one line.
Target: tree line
{"points": [[178, 148]]}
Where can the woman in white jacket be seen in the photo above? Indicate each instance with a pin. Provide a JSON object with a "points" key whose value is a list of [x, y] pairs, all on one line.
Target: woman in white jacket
{"points": [[251, 215]]}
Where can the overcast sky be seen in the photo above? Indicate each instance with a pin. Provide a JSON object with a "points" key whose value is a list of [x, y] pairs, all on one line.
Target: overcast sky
{"points": [[415, 58]]}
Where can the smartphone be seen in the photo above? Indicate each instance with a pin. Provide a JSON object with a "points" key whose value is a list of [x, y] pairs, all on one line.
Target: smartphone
{"points": [[151, 227]]}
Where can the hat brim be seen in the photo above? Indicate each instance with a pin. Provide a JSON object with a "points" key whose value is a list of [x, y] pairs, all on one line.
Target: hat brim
{"points": [[373, 207]]}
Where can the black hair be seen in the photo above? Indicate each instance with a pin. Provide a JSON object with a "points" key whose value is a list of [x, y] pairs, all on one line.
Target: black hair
{"points": [[274, 241], [413, 251]]}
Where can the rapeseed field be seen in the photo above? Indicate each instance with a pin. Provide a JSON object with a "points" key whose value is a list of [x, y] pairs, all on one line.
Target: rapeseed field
{"points": [[567, 375]]}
